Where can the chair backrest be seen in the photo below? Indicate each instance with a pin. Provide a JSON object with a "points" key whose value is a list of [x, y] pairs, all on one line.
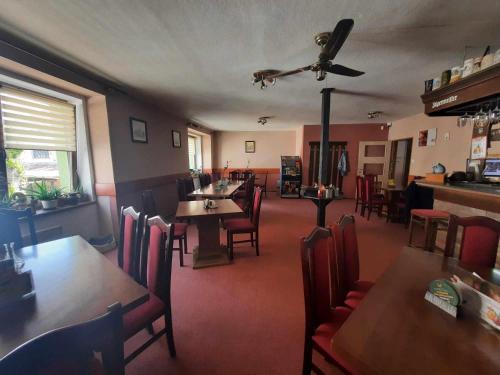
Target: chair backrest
{"points": [[148, 203], [319, 273], [156, 260], [131, 231], [215, 176], [10, 229], [479, 240], [369, 187], [189, 185], [249, 188], [346, 228], [257, 201], [360, 188], [247, 174], [234, 175], [181, 190], [70, 349]]}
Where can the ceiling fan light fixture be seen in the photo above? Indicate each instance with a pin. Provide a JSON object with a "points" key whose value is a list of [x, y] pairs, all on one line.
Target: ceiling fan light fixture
{"points": [[320, 75]]}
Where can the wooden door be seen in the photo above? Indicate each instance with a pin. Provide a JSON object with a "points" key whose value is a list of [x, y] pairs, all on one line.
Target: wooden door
{"points": [[374, 158]]}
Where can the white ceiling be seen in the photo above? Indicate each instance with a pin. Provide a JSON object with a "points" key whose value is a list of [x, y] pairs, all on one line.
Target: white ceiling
{"points": [[196, 57]]}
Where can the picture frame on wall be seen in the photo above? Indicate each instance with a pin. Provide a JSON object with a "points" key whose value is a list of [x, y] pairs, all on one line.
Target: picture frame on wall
{"points": [[250, 147], [176, 139], [138, 130]]}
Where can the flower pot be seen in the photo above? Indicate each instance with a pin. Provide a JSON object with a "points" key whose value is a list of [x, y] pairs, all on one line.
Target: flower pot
{"points": [[49, 205], [72, 199]]}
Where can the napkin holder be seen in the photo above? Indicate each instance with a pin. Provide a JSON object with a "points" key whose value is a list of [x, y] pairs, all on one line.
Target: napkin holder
{"points": [[14, 286], [443, 294]]}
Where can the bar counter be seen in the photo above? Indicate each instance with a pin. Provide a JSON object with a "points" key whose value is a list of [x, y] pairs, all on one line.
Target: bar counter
{"points": [[475, 198]]}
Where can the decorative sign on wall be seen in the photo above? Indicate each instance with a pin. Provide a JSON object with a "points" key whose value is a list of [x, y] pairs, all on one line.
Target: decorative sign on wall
{"points": [[176, 139], [427, 137], [138, 130], [479, 147], [250, 147]]}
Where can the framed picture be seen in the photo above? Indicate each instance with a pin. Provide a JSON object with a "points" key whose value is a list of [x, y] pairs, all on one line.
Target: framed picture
{"points": [[422, 138], [479, 147], [249, 147], [138, 130], [431, 137], [176, 139]]}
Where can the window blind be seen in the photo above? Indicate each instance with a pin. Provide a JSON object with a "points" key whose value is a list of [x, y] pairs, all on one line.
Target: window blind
{"points": [[36, 122]]}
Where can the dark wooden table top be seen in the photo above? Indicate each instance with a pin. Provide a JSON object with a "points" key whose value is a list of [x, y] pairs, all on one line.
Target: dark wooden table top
{"points": [[73, 283], [190, 209], [211, 190], [395, 331]]}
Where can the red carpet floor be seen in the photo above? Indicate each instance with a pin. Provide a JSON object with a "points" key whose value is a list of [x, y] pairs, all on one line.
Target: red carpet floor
{"points": [[248, 317]]}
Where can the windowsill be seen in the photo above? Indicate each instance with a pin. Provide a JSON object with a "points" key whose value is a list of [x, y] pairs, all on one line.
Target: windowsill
{"points": [[41, 213]]}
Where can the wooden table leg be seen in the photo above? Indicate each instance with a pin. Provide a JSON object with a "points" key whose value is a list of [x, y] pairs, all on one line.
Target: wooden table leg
{"points": [[209, 251]]}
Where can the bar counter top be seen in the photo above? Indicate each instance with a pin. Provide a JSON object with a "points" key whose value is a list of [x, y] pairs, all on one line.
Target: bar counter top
{"points": [[471, 194]]}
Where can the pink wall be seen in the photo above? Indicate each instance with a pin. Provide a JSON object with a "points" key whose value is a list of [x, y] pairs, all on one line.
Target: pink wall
{"points": [[350, 133]]}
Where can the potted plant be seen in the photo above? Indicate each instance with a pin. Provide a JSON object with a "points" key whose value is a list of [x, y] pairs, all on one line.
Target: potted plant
{"points": [[46, 194]]}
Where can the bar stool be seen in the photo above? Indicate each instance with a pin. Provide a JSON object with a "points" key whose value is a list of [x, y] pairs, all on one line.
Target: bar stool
{"points": [[432, 221]]}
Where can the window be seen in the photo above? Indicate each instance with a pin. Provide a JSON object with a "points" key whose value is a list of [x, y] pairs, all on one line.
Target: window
{"points": [[194, 152], [39, 137]]}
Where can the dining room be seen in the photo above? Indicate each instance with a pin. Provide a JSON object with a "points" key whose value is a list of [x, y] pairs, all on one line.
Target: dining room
{"points": [[180, 193]]}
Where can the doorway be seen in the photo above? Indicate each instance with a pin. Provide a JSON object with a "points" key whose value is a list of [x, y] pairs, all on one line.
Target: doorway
{"points": [[400, 161], [335, 150], [373, 158]]}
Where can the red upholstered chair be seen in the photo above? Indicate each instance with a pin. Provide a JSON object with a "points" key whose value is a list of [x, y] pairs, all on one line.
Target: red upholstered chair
{"points": [[353, 289], [69, 350], [180, 233], [264, 185], [479, 240], [321, 295], [374, 200], [246, 225], [360, 195], [156, 270], [129, 246], [215, 176], [246, 197]]}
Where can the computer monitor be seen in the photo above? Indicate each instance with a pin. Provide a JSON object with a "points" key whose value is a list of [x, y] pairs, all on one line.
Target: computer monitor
{"points": [[492, 169]]}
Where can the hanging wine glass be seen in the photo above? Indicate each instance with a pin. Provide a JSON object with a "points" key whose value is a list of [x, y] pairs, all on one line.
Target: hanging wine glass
{"points": [[494, 116], [481, 120], [463, 120]]}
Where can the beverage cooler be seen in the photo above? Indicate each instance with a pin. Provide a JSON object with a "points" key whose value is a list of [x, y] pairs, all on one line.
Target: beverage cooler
{"points": [[290, 177]]}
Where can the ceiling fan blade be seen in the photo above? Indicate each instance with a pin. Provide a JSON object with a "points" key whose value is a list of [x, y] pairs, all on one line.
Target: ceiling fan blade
{"points": [[338, 37], [290, 72], [344, 71]]}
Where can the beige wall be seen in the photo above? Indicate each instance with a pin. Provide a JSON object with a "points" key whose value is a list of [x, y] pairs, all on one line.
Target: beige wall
{"points": [[451, 153], [269, 146], [133, 161]]}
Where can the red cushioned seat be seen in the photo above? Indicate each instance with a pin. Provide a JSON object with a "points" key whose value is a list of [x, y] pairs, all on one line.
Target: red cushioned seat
{"points": [[352, 303], [355, 294], [180, 229], [322, 338], [239, 225], [138, 318], [363, 285], [430, 213]]}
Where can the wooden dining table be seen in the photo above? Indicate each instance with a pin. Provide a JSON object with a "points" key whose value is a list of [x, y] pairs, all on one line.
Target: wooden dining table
{"points": [[209, 251], [214, 191], [73, 283], [394, 330]]}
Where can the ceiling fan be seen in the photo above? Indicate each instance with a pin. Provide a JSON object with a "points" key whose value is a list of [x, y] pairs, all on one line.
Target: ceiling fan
{"points": [[264, 119], [330, 44]]}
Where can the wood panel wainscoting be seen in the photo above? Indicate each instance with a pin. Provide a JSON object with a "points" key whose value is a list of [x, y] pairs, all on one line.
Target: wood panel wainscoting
{"points": [[273, 175], [128, 193]]}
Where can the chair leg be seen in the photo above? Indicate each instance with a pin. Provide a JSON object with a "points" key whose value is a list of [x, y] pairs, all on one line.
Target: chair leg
{"points": [[186, 244], [369, 212], [230, 244], [181, 252], [251, 239], [170, 332], [427, 234], [410, 237], [150, 329], [257, 242], [307, 363], [356, 207]]}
